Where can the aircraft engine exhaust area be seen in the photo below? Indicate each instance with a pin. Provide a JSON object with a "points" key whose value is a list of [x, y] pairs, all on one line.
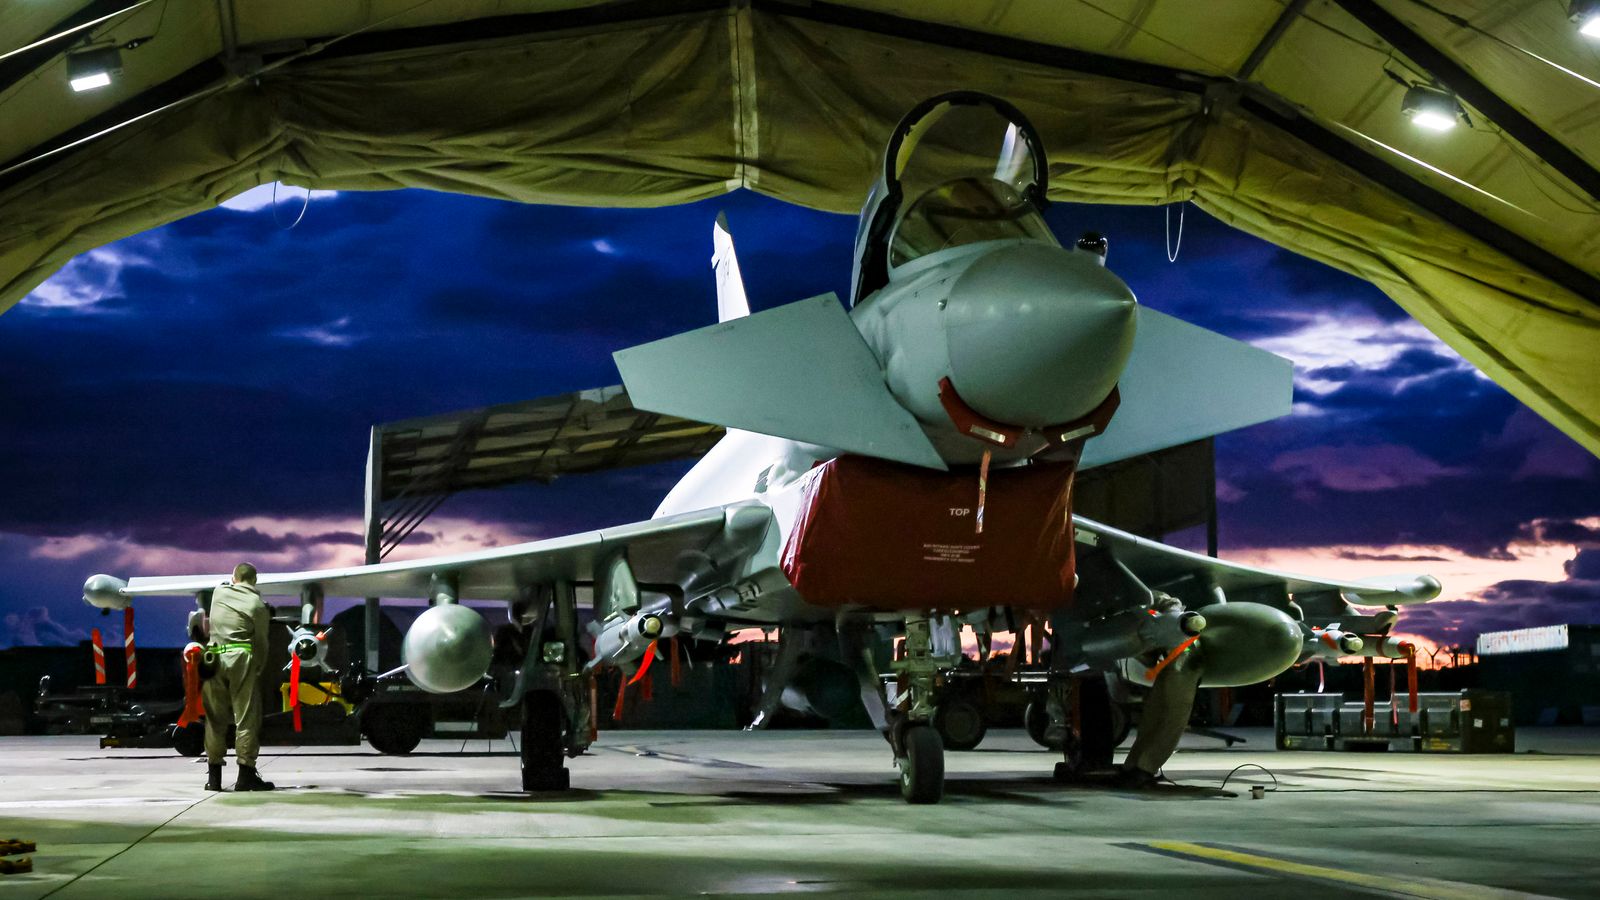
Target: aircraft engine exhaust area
{"points": [[931, 596]]}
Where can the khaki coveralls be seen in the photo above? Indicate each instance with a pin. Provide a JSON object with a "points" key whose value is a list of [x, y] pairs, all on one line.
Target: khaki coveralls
{"points": [[232, 697], [1166, 713]]}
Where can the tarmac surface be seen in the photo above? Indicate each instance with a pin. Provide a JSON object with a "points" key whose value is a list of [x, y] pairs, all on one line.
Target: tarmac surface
{"points": [[716, 813]]}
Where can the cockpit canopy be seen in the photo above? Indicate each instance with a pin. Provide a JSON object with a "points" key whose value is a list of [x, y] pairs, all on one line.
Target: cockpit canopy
{"points": [[964, 211], [959, 168]]}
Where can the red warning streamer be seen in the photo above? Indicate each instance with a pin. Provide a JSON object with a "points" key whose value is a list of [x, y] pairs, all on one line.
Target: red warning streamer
{"points": [[99, 656], [294, 688], [1367, 673], [594, 708], [127, 646], [193, 708], [649, 657], [983, 488], [1411, 673]]}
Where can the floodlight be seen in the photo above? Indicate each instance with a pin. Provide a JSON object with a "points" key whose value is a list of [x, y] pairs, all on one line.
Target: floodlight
{"points": [[93, 67], [1586, 13], [1432, 108]]}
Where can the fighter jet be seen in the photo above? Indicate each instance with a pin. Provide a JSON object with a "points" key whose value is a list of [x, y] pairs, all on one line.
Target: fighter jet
{"points": [[899, 466]]}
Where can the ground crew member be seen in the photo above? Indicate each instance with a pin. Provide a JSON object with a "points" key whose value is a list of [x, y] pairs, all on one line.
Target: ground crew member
{"points": [[1163, 720], [238, 637]]}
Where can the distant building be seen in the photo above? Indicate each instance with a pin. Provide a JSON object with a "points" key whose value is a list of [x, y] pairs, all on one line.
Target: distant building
{"points": [[1552, 672]]}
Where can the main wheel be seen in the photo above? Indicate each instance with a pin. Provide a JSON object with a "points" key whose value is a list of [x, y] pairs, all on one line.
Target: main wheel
{"points": [[395, 728], [543, 748], [1036, 719], [189, 740], [922, 767], [960, 724]]}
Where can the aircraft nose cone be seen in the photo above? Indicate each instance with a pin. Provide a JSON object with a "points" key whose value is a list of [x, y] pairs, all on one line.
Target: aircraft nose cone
{"points": [[1037, 335]]}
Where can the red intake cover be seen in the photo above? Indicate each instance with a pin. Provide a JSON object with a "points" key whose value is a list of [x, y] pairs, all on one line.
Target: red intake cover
{"points": [[890, 536]]}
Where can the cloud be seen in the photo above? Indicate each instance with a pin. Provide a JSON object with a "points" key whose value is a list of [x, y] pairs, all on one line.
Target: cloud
{"points": [[1585, 566], [1361, 469], [1579, 532], [289, 199], [1462, 575], [1547, 453], [1329, 348], [331, 334], [33, 627], [1389, 557], [272, 543], [90, 283], [1535, 581]]}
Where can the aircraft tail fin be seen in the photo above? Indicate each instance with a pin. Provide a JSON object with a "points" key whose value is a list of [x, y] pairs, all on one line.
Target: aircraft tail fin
{"points": [[799, 371], [1184, 383], [731, 300]]}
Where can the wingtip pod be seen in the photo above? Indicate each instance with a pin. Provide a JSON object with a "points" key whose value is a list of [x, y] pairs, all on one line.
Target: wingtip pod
{"points": [[1395, 590], [105, 592]]}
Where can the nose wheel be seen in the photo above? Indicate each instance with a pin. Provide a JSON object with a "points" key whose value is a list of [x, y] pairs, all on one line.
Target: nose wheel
{"points": [[921, 765]]}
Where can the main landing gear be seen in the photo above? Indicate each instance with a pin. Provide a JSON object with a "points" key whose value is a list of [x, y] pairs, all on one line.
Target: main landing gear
{"points": [[552, 690]]}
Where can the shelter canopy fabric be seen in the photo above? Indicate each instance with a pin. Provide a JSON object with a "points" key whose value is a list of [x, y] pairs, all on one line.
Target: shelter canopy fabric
{"points": [[1279, 118]]}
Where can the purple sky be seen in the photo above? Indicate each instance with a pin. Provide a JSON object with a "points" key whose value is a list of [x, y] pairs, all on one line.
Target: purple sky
{"points": [[202, 392]]}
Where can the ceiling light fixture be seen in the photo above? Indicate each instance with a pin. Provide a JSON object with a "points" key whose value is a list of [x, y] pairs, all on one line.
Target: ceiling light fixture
{"points": [[1586, 13], [93, 67], [1435, 109]]}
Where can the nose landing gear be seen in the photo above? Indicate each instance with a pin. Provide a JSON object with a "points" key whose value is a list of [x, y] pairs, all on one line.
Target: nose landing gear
{"points": [[921, 762], [918, 748]]}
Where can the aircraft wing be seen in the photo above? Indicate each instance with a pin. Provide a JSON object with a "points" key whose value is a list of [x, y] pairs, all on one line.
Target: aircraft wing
{"points": [[654, 548], [1160, 565]]}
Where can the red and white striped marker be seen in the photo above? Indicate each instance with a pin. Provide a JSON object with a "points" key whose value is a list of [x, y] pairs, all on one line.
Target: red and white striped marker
{"points": [[99, 656], [127, 646]]}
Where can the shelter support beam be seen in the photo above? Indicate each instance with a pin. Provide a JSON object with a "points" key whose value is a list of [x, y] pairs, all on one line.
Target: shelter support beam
{"points": [[1456, 77], [1503, 239], [1270, 39]]}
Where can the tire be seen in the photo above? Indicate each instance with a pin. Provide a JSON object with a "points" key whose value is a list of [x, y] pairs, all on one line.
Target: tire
{"points": [[922, 768], [189, 740], [1036, 719], [960, 724], [543, 743], [394, 729]]}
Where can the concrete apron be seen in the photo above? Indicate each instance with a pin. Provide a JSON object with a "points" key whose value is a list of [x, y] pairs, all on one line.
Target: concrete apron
{"points": [[731, 813]]}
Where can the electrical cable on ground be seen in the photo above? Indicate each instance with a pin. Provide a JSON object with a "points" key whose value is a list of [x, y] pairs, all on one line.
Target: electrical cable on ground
{"points": [[1225, 778]]}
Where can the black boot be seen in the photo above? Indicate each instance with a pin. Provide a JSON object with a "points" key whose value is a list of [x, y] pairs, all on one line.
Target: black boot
{"points": [[214, 777], [250, 780]]}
